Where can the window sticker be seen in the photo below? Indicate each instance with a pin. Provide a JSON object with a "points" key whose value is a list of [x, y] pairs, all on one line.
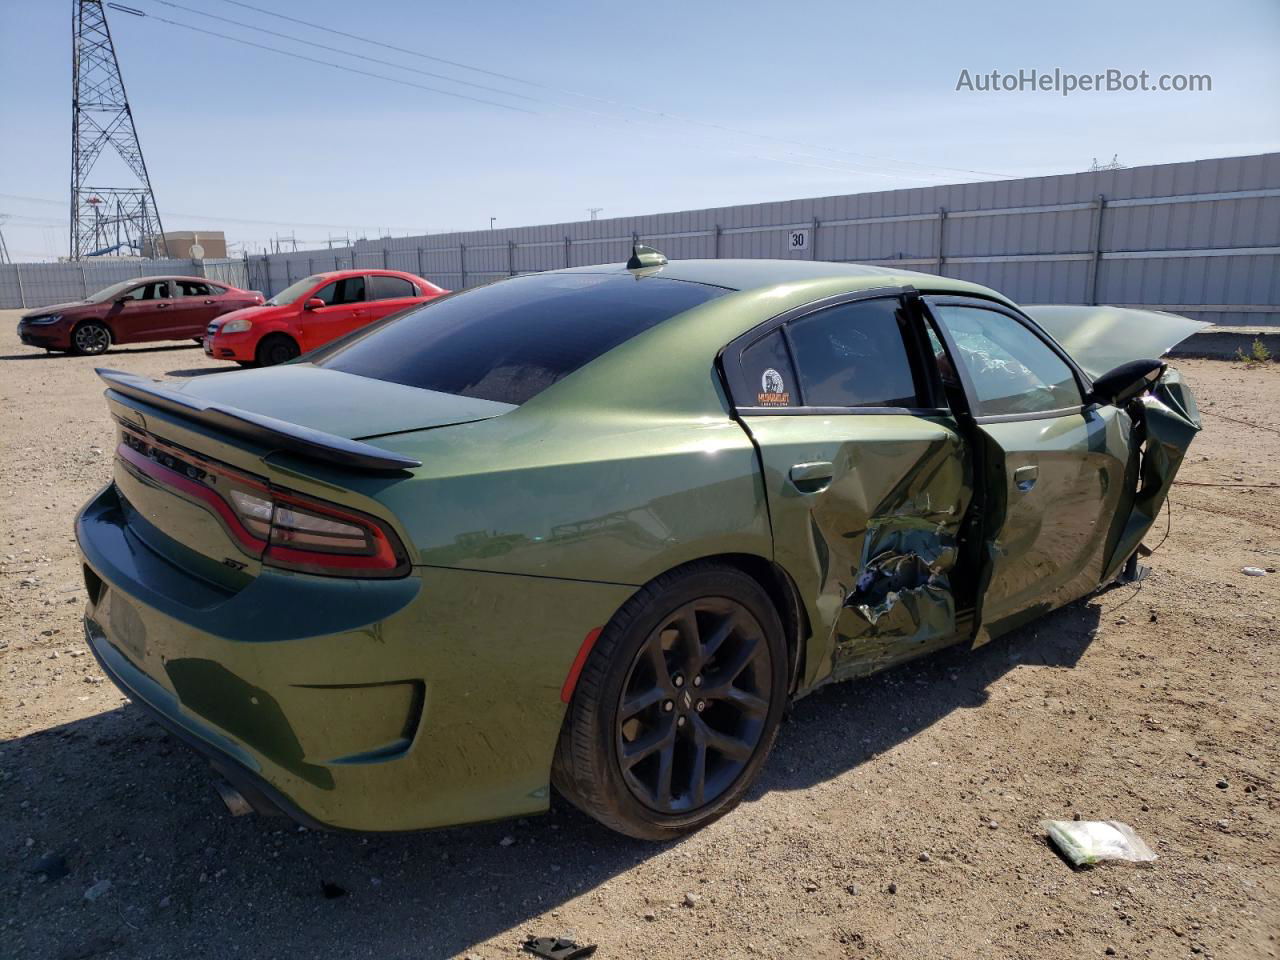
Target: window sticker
{"points": [[774, 391]]}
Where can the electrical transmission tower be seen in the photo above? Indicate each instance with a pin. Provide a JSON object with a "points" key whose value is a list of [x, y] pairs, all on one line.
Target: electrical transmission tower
{"points": [[105, 219]]}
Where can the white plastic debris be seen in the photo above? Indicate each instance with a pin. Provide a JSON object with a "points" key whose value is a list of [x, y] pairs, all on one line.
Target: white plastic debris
{"points": [[1253, 571], [1090, 841]]}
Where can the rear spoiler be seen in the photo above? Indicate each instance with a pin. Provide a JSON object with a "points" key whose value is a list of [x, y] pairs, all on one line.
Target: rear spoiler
{"points": [[267, 431]]}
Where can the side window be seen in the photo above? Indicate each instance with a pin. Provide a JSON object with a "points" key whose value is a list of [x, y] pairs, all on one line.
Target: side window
{"points": [[157, 291], [349, 290], [1012, 369], [137, 293], [766, 365], [388, 288], [854, 355], [190, 288], [327, 293]]}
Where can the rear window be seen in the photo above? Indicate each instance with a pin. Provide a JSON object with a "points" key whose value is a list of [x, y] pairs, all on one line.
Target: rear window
{"points": [[511, 340], [389, 288]]}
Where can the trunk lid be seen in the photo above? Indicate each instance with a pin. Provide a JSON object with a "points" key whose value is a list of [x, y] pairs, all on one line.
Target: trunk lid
{"points": [[186, 451], [341, 404]]}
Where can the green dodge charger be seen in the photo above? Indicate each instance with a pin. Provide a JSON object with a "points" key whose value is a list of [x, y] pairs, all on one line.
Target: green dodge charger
{"points": [[595, 528]]}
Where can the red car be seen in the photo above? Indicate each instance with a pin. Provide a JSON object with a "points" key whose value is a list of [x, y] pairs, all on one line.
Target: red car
{"points": [[133, 311], [311, 312]]}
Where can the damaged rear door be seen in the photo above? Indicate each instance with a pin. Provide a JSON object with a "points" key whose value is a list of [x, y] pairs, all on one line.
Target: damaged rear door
{"points": [[1052, 470], [866, 473]]}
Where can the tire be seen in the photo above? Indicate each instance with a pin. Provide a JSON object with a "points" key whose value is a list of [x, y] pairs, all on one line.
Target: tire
{"points": [[721, 720], [276, 348], [90, 338]]}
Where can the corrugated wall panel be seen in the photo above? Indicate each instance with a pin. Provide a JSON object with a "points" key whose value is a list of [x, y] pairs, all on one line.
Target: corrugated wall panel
{"points": [[994, 234]]}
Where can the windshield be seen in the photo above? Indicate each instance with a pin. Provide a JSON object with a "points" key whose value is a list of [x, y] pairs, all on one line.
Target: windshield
{"points": [[113, 291], [511, 340], [292, 292]]}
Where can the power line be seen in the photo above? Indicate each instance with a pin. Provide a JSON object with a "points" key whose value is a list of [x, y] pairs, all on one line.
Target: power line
{"points": [[347, 35], [323, 63], [860, 167], [848, 166], [349, 53]]}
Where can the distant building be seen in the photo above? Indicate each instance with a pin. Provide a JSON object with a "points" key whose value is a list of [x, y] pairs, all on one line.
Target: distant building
{"points": [[179, 244]]}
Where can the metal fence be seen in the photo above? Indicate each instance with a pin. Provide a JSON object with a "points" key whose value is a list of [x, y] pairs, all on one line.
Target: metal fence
{"points": [[40, 284], [1200, 238]]}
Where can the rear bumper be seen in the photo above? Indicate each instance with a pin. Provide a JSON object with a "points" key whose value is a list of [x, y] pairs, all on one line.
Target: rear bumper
{"points": [[164, 710], [352, 704]]}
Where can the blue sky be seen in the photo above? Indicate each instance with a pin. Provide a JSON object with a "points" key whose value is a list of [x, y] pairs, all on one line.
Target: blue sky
{"points": [[636, 107]]}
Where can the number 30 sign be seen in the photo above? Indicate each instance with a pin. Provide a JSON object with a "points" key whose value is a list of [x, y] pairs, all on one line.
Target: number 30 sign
{"points": [[799, 240]]}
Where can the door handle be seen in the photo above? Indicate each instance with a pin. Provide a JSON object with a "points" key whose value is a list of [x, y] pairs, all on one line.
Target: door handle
{"points": [[161, 306], [1024, 478], [207, 302], [812, 477]]}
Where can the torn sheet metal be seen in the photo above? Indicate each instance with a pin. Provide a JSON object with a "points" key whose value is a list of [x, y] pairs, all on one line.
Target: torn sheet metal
{"points": [[901, 603], [1165, 422]]}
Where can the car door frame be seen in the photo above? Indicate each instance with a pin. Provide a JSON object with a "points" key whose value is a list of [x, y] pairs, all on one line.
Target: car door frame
{"points": [[736, 384], [196, 316], [150, 321], [981, 530], [330, 327], [818, 662]]}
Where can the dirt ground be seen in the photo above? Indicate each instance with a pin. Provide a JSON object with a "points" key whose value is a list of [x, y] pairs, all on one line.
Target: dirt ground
{"points": [[897, 818]]}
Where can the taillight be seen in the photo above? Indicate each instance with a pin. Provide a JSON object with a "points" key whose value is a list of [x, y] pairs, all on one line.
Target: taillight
{"points": [[281, 527]]}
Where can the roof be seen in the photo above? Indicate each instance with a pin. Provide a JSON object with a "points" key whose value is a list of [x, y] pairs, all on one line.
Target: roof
{"points": [[757, 274], [666, 367], [361, 271], [170, 276]]}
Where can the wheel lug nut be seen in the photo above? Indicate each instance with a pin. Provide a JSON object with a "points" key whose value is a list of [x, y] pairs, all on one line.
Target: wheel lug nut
{"points": [[668, 706], [702, 705], [678, 680], [680, 721], [697, 681]]}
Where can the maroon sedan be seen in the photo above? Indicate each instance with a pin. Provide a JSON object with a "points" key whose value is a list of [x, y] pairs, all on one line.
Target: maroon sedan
{"points": [[133, 311]]}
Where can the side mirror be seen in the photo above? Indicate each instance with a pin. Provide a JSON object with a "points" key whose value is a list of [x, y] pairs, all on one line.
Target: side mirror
{"points": [[315, 303], [1126, 381]]}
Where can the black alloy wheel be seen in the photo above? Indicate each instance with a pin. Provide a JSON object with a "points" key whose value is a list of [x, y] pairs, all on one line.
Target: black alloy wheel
{"points": [[91, 338], [694, 705], [678, 704]]}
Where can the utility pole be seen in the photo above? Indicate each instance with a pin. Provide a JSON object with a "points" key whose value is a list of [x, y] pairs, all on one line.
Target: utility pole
{"points": [[594, 211], [4, 250], [101, 118], [491, 219]]}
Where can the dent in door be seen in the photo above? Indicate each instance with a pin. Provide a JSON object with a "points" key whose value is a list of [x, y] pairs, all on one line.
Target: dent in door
{"points": [[898, 598], [873, 553]]}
